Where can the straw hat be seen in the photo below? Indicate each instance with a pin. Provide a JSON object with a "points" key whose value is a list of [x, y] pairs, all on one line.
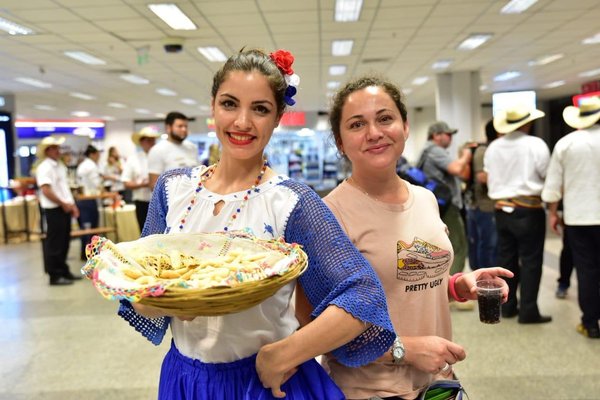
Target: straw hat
{"points": [[513, 118], [47, 142], [584, 116], [146, 132]]}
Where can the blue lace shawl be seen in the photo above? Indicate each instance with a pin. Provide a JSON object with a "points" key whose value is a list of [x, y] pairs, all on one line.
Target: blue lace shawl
{"points": [[337, 273]]}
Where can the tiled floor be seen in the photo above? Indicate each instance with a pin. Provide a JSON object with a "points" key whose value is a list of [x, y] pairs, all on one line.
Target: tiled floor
{"points": [[67, 343]]}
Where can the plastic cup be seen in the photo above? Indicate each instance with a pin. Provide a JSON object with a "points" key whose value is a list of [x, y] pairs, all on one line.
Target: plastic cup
{"points": [[489, 299]]}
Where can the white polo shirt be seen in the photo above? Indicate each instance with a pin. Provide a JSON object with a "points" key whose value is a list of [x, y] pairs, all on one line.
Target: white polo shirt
{"points": [[53, 173]]}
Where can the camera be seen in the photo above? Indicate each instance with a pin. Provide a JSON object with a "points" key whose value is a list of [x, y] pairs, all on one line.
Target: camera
{"points": [[173, 44]]}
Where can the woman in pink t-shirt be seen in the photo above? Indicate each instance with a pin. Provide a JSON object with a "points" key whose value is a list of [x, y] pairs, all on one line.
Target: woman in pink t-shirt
{"points": [[397, 227]]}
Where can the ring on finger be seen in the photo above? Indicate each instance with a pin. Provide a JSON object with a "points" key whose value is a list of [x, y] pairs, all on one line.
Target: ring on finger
{"points": [[445, 368]]}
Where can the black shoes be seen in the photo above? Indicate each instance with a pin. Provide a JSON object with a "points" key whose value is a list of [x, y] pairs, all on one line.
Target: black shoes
{"points": [[540, 319], [509, 312], [592, 332], [74, 277], [61, 281]]}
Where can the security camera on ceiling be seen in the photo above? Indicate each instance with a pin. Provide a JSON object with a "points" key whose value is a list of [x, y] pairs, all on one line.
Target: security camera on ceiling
{"points": [[173, 44]]}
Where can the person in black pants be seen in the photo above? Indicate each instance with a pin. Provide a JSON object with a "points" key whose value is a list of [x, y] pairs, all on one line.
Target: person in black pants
{"points": [[58, 207]]}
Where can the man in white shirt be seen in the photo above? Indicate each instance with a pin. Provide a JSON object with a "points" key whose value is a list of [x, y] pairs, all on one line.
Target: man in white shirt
{"points": [[135, 173], [516, 165], [90, 181], [572, 177], [58, 207], [175, 152]]}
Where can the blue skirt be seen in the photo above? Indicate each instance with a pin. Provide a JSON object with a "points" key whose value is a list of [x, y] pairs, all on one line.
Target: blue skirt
{"points": [[184, 378]]}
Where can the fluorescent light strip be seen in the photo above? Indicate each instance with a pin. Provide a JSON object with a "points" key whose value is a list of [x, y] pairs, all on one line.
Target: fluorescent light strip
{"points": [[137, 80], [189, 102], [441, 64], [347, 10], [173, 16], [592, 39], [82, 96], [420, 80], [592, 72], [58, 124], [13, 28], [142, 111], [545, 60], [505, 76], [34, 82], [44, 107], [81, 114], [84, 57], [341, 47], [212, 54], [337, 70], [166, 92], [333, 85], [474, 41], [554, 84], [517, 6], [117, 105]]}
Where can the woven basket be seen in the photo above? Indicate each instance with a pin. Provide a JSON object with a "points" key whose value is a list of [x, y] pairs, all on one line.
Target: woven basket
{"points": [[106, 261]]}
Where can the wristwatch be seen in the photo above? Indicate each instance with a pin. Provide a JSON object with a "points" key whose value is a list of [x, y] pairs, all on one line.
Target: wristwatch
{"points": [[398, 351]]}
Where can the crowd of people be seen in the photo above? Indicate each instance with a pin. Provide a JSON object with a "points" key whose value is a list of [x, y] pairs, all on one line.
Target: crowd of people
{"points": [[384, 264]]}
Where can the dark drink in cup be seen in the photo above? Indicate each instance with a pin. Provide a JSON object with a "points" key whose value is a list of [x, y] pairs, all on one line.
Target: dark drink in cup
{"points": [[489, 298]]}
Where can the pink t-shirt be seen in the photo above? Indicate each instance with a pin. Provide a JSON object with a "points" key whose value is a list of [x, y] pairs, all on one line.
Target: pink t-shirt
{"points": [[408, 246]]}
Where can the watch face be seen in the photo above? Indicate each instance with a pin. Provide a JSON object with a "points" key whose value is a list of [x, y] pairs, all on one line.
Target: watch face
{"points": [[398, 351]]}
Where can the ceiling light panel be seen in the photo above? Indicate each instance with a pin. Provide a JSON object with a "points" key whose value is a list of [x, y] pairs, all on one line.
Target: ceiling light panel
{"points": [[135, 79], [82, 96], [553, 85], [420, 80], [173, 16], [592, 39], [441, 64], [474, 41], [13, 28], [34, 82], [341, 47], [505, 76], [189, 102], [592, 72], [166, 92], [335, 70], [212, 54], [545, 60], [116, 105], [84, 57], [347, 10], [517, 6]]}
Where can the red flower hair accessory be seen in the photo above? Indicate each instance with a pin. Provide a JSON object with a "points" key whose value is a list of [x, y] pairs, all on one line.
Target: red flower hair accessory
{"points": [[283, 59]]}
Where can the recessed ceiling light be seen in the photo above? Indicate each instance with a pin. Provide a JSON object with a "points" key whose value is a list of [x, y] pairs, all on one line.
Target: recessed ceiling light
{"points": [[420, 80], [474, 41], [592, 72], [107, 118], [142, 111], [341, 47], [189, 102], [505, 76], [333, 85], [212, 54], [81, 114], [117, 105], [160, 115], [34, 82], [44, 107], [347, 10], [592, 39], [441, 64], [545, 60], [517, 6], [82, 96], [166, 92], [84, 57], [554, 84], [137, 80], [337, 70], [13, 28], [173, 16]]}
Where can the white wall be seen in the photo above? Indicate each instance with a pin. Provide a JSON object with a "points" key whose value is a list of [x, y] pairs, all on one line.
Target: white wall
{"points": [[118, 134]]}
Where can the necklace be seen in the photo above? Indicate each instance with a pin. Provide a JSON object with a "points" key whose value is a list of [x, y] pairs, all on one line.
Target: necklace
{"points": [[205, 177], [353, 182]]}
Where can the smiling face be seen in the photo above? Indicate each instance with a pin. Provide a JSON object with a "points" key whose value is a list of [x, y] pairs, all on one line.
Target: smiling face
{"points": [[245, 114], [372, 131]]}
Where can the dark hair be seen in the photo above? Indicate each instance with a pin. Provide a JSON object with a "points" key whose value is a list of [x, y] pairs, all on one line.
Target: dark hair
{"points": [[490, 131], [335, 112], [254, 60], [90, 150], [172, 116]]}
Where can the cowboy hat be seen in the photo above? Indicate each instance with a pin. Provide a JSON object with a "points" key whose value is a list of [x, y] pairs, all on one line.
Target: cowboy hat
{"points": [[513, 118], [145, 132], [47, 142], [584, 116]]}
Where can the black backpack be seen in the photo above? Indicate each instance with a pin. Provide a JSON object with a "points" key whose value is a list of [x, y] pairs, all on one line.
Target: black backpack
{"points": [[416, 176]]}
